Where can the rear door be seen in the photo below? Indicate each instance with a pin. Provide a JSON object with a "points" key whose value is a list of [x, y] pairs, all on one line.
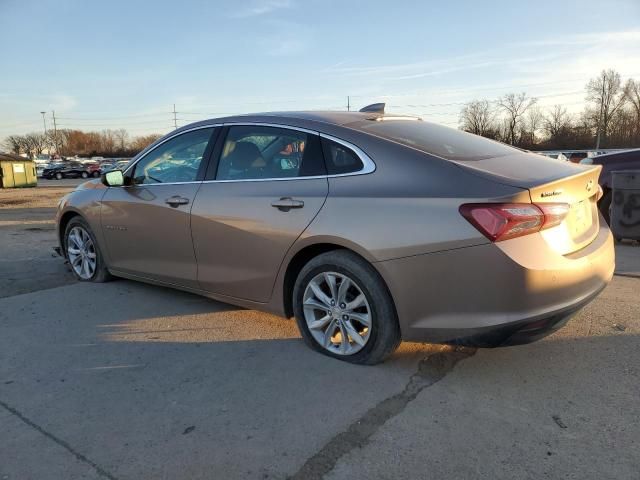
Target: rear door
{"points": [[146, 223], [266, 187]]}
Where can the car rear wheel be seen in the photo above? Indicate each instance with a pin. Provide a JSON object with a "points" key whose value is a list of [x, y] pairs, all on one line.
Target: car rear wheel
{"points": [[58, 176], [83, 252], [84, 175], [344, 310], [96, 174]]}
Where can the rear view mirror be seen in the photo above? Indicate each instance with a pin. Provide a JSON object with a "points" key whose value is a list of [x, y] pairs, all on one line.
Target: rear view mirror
{"points": [[113, 178]]}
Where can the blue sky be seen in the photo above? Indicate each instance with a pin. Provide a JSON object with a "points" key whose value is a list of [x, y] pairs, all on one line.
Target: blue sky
{"points": [[121, 63]]}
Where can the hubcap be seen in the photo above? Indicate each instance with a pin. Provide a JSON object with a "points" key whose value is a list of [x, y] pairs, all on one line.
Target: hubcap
{"points": [[81, 253], [337, 313]]}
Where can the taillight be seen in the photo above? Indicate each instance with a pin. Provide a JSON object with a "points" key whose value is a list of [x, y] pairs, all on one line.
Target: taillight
{"points": [[501, 221]]}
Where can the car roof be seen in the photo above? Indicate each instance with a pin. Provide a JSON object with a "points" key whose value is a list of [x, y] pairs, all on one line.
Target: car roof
{"points": [[330, 117]]}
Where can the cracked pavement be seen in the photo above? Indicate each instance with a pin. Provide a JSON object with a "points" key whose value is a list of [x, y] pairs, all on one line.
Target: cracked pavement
{"points": [[130, 381]]}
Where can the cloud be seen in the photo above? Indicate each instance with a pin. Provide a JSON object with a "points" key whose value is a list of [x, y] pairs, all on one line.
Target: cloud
{"points": [[63, 102], [262, 7], [286, 47]]}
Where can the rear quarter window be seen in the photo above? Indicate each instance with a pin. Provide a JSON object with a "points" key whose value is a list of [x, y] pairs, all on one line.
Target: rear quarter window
{"points": [[340, 159], [437, 140]]}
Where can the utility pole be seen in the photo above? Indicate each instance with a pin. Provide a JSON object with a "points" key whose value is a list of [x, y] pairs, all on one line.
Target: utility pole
{"points": [[348, 104], [55, 131], [175, 119], [44, 122]]}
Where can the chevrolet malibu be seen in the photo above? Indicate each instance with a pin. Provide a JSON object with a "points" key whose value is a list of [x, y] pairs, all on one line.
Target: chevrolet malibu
{"points": [[367, 228]]}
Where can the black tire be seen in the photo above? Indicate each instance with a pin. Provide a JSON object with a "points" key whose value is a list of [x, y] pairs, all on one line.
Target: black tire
{"points": [[101, 273], [58, 176], [604, 205], [385, 331], [84, 175], [96, 174]]}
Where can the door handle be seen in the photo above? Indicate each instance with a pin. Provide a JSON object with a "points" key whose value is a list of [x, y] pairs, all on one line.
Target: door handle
{"points": [[287, 203], [176, 200]]}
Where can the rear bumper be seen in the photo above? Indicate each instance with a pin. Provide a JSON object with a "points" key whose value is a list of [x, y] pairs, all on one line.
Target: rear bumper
{"points": [[516, 333], [508, 293]]}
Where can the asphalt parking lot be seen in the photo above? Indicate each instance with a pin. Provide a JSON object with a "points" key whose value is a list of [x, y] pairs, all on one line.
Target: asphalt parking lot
{"points": [[129, 381]]}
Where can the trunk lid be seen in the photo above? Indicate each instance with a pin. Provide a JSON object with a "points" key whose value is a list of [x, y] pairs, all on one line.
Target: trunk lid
{"points": [[551, 181], [581, 225]]}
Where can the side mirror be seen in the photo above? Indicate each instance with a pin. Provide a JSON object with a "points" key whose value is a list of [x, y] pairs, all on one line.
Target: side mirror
{"points": [[113, 178]]}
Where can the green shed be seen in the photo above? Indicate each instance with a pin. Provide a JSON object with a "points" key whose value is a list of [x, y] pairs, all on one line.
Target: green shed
{"points": [[17, 171]]}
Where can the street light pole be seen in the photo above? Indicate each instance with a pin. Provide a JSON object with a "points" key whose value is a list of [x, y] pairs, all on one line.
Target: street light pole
{"points": [[44, 122]]}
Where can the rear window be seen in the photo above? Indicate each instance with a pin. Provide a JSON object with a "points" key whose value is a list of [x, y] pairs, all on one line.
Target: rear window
{"points": [[435, 139]]}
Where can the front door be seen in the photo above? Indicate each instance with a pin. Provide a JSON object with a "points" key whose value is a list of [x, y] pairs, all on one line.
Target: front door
{"points": [[146, 223], [269, 185]]}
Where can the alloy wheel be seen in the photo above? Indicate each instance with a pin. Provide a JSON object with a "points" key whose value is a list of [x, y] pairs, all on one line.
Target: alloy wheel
{"points": [[81, 253], [337, 313]]}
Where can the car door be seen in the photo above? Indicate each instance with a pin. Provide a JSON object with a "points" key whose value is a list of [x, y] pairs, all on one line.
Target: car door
{"points": [[265, 187], [146, 222]]}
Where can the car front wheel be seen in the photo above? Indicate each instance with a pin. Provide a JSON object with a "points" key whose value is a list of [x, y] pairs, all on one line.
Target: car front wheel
{"points": [[58, 176], [344, 310], [83, 253], [84, 175]]}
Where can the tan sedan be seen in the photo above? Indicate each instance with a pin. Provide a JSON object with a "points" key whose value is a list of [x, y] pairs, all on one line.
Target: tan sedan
{"points": [[368, 228]]}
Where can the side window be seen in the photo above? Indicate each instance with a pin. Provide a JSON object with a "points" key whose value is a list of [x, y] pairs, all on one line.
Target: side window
{"points": [[176, 160], [340, 159], [252, 152]]}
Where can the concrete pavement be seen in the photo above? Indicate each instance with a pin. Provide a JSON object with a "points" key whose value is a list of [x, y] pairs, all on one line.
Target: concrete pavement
{"points": [[129, 381]]}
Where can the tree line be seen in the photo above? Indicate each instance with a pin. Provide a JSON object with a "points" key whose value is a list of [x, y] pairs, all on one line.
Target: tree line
{"points": [[65, 142], [610, 119]]}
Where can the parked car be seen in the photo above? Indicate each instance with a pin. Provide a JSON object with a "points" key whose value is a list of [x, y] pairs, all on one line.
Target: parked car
{"points": [[611, 162], [368, 228], [66, 170], [122, 164], [93, 168], [105, 167]]}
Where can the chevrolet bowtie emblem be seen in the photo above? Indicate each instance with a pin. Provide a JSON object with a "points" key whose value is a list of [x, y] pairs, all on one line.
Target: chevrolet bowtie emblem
{"points": [[589, 185]]}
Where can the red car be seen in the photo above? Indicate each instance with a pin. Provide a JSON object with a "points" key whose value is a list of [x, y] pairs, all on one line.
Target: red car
{"points": [[93, 169]]}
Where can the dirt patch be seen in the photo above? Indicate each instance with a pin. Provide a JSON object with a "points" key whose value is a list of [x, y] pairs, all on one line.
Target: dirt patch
{"points": [[32, 197]]}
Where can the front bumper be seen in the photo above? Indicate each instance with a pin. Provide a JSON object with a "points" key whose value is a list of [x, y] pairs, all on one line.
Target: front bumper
{"points": [[496, 294]]}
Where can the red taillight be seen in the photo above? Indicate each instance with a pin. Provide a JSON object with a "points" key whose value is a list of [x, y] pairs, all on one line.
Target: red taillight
{"points": [[501, 221]]}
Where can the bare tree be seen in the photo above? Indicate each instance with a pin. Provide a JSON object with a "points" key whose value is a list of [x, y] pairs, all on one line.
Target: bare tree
{"points": [[605, 91], [35, 143], [534, 121], [15, 143], [557, 121], [140, 143], [478, 117], [121, 139], [632, 94], [514, 106]]}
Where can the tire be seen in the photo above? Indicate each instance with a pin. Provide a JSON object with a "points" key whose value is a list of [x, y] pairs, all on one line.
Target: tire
{"points": [[58, 176], [84, 175], [96, 174], [604, 205], [99, 273], [381, 338]]}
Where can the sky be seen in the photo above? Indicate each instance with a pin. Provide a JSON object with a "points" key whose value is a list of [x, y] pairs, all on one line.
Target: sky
{"points": [[124, 64]]}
